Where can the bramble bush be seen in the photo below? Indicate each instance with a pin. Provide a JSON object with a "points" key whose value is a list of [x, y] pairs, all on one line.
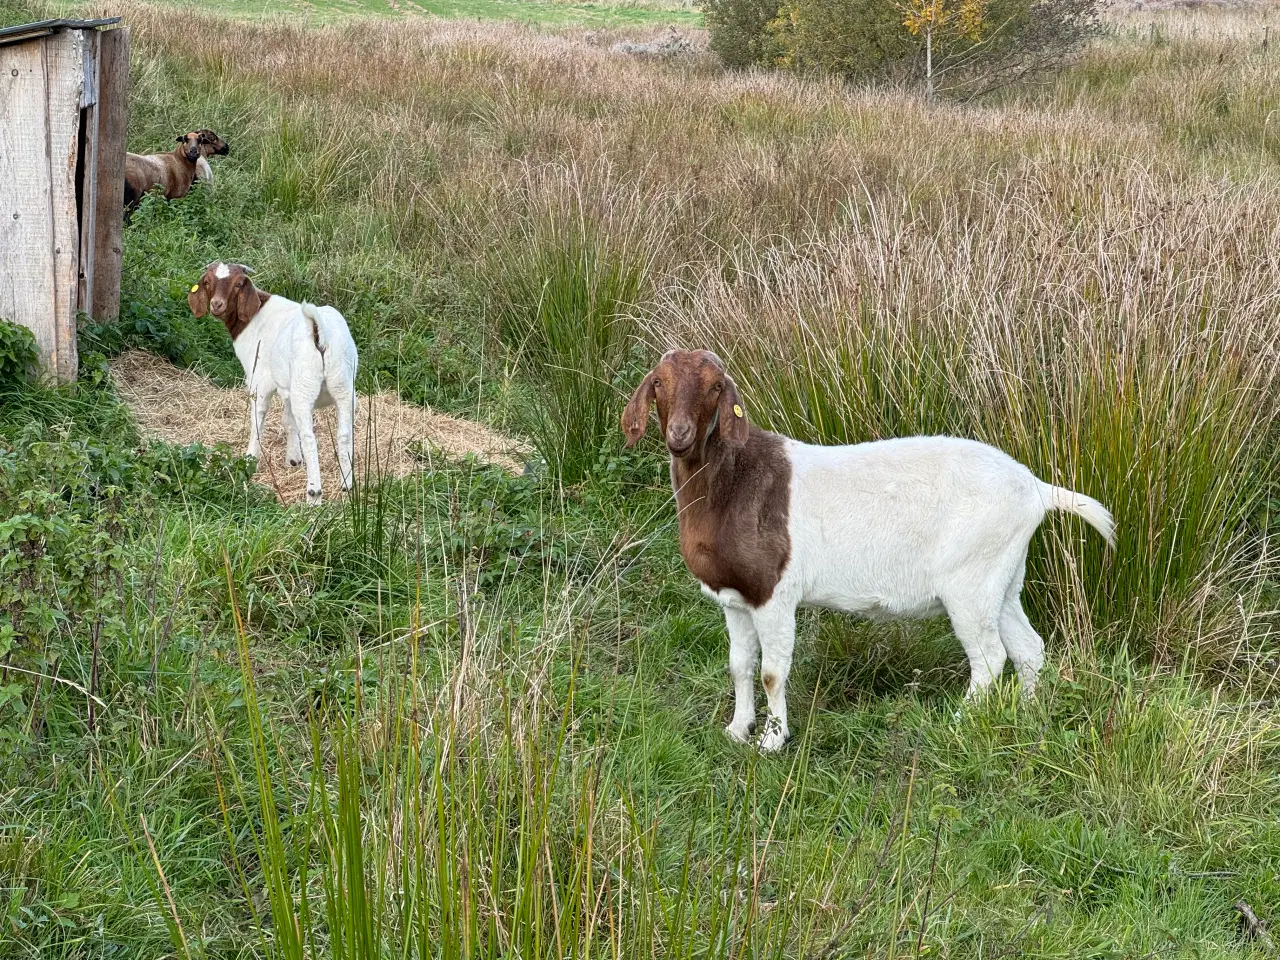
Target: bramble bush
{"points": [[19, 356]]}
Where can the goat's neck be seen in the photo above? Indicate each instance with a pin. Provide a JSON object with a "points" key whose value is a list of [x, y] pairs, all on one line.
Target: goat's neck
{"points": [[695, 478], [252, 343]]}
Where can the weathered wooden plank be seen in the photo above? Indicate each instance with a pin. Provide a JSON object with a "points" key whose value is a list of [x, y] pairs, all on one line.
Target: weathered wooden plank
{"points": [[87, 141], [64, 80], [89, 89], [27, 287], [113, 127], [86, 181]]}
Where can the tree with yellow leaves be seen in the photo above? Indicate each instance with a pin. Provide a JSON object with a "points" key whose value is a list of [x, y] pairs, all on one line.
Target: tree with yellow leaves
{"points": [[965, 19]]}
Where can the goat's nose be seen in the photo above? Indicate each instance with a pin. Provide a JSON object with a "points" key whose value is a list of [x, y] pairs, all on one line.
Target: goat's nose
{"points": [[680, 434], [217, 305]]}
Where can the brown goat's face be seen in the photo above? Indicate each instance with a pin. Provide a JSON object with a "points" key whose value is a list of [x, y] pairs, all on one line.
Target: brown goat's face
{"points": [[190, 146], [226, 291], [691, 390], [211, 144]]}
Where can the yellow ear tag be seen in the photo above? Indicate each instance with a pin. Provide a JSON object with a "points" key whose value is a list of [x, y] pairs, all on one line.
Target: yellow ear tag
{"points": [[737, 410], [195, 287]]}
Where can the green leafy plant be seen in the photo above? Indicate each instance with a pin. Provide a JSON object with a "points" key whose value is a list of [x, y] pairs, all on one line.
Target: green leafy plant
{"points": [[19, 355]]}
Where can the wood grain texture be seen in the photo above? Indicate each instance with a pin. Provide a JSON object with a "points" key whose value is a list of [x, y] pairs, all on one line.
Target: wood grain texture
{"points": [[27, 276], [86, 171], [64, 79], [113, 126]]}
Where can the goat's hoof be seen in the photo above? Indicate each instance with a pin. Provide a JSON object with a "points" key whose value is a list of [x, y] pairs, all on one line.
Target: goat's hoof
{"points": [[772, 741], [739, 733], [313, 498], [774, 737]]}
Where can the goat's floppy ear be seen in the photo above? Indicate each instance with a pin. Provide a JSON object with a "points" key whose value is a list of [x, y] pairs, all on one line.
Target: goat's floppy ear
{"points": [[733, 419], [635, 419], [180, 139], [248, 303], [198, 300]]}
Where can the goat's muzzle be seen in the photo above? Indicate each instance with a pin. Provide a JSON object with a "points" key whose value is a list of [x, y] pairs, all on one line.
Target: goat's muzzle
{"points": [[223, 150], [193, 154], [218, 306], [680, 437]]}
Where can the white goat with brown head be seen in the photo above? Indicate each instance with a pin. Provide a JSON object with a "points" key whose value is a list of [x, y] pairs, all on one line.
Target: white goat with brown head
{"points": [[302, 352], [915, 527]]}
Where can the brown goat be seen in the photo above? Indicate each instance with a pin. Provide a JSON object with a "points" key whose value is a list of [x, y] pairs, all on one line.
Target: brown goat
{"points": [[174, 172]]}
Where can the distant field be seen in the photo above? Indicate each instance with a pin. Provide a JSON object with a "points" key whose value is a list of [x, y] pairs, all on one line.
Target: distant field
{"points": [[545, 12]]}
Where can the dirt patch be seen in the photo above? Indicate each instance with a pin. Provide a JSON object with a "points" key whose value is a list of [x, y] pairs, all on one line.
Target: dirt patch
{"points": [[392, 436]]}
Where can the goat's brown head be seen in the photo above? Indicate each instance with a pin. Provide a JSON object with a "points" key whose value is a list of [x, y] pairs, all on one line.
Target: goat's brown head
{"points": [[211, 144], [691, 390], [201, 143], [226, 291], [189, 146]]}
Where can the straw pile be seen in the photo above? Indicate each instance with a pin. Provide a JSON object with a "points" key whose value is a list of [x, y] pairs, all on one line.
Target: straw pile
{"points": [[182, 407]]}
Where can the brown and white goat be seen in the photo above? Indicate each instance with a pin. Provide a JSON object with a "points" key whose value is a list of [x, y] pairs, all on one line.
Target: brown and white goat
{"points": [[914, 527], [302, 352], [176, 171]]}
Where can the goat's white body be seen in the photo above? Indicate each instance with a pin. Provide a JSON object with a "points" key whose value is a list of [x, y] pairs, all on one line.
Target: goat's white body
{"points": [[278, 350], [203, 170], [916, 527]]}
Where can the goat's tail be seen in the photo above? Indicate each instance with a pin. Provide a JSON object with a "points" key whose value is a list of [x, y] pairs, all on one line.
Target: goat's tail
{"points": [[1086, 508], [318, 336]]}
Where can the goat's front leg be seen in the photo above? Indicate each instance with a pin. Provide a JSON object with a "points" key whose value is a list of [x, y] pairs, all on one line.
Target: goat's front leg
{"points": [[775, 625], [259, 403], [744, 649]]}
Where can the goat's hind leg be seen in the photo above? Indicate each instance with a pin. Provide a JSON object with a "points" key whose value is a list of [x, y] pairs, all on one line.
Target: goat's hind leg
{"points": [[293, 444], [346, 438], [975, 617], [1024, 646], [303, 402]]}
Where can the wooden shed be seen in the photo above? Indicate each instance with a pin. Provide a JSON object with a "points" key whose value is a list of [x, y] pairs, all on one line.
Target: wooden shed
{"points": [[64, 105]]}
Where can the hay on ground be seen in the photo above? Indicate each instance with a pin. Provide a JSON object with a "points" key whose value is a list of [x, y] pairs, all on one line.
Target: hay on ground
{"points": [[182, 407]]}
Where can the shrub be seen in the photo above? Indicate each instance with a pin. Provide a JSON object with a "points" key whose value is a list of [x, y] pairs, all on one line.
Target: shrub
{"points": [[738, 28], [964, 48]]}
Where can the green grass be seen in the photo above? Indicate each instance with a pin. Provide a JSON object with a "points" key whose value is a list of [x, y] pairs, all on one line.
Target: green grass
{"points": [[469, 714]]}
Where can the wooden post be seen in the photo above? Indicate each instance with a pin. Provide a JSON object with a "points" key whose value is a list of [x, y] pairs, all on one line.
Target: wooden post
{"points": [[113, 125], [64, 73]]}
